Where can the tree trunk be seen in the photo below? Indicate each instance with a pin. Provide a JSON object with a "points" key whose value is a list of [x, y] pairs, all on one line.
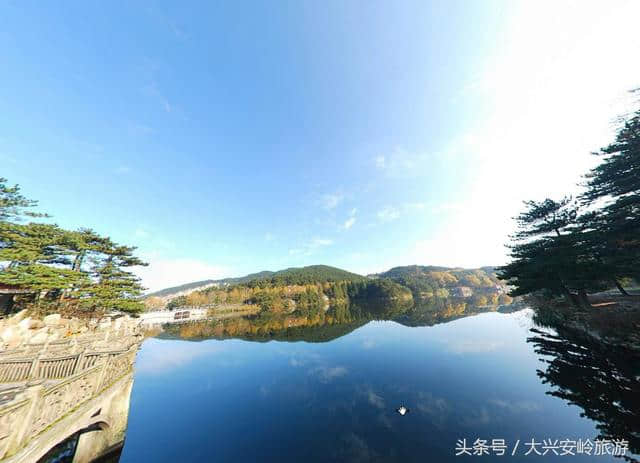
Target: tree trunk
{"points": [[620, 288]]}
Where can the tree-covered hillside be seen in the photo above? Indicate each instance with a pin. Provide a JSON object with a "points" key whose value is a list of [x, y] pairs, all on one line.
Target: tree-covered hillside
{"points": [[306, 291], [428, 281], [305, 275]]}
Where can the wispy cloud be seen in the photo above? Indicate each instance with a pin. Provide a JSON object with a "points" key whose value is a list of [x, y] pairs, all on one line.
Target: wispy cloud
{"points": [[327, 374], [388, 214], [123, 169], [167, 21], [152, 90], [349, 223], [374, 399], [518, 406], [310, 247], [400, 162], [269, 237], [350, 220], [330, 201]]}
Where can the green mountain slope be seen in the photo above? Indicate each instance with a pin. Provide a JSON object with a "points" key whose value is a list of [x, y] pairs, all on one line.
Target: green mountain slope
{"points": [[432, 280], [306, 275]]}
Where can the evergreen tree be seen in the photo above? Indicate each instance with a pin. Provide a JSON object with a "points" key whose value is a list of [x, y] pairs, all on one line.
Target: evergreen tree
{"points": [[550, 253], [616, 182], [113, 287], [48, 264]]}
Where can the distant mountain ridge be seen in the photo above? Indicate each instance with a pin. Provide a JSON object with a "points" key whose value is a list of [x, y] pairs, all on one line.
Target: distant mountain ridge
{"points": [[197, 285], [421, 279]]}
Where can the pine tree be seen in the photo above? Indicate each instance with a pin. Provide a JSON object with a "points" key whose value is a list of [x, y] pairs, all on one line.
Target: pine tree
{"points": [[113, 288], [616, 182], [550, 253], [50, 265]]}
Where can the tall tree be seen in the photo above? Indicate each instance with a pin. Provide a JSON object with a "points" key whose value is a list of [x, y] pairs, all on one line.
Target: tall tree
{"points": [[50, 265], [615, 183], [112, 286], [549, 254]]}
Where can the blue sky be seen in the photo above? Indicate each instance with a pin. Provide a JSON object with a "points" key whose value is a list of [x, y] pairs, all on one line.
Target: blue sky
{"points": [[234, 137]]}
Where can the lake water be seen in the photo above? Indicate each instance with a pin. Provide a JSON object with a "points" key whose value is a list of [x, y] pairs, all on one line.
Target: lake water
{"points": [[233, 400]]}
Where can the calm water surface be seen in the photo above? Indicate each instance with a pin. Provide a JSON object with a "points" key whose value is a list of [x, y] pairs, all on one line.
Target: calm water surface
{"points": [[243, 401]]}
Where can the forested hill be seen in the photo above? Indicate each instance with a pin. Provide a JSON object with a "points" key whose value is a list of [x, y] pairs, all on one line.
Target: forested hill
{"points": [[312, 274], [431, 280], [421, 279], [305, 275]]}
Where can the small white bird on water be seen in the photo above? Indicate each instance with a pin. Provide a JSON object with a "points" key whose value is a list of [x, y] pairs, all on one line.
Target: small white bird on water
{"points": [[402, 410]]}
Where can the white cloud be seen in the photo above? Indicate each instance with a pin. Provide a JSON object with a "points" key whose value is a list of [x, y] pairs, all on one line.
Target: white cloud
{"points": [[269, 237], [517, 406], [164, 273], [388, 214], [402, 163], [349, 223], [350, 220], [374, 399], [310, 247], [328, 374], [123, 170], [330, 201]]}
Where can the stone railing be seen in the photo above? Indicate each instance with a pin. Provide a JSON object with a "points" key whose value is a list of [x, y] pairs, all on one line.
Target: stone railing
{"points": [[56, 361], [39, 404]]}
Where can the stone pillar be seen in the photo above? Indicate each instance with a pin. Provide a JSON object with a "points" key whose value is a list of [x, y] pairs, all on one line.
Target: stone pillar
{"points": [[33, 392]]}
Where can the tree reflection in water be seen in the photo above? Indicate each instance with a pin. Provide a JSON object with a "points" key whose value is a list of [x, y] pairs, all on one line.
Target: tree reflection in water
{"points": [[601, 379]]}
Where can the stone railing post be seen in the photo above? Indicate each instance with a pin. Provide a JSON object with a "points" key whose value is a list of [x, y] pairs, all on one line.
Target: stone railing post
{"points": [[79, 362], [104, 359], [34, 367], [33, 392]]}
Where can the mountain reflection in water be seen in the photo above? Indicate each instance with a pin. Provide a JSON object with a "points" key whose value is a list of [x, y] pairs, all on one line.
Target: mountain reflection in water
{"points": [[336, 322], [464, 371]]}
